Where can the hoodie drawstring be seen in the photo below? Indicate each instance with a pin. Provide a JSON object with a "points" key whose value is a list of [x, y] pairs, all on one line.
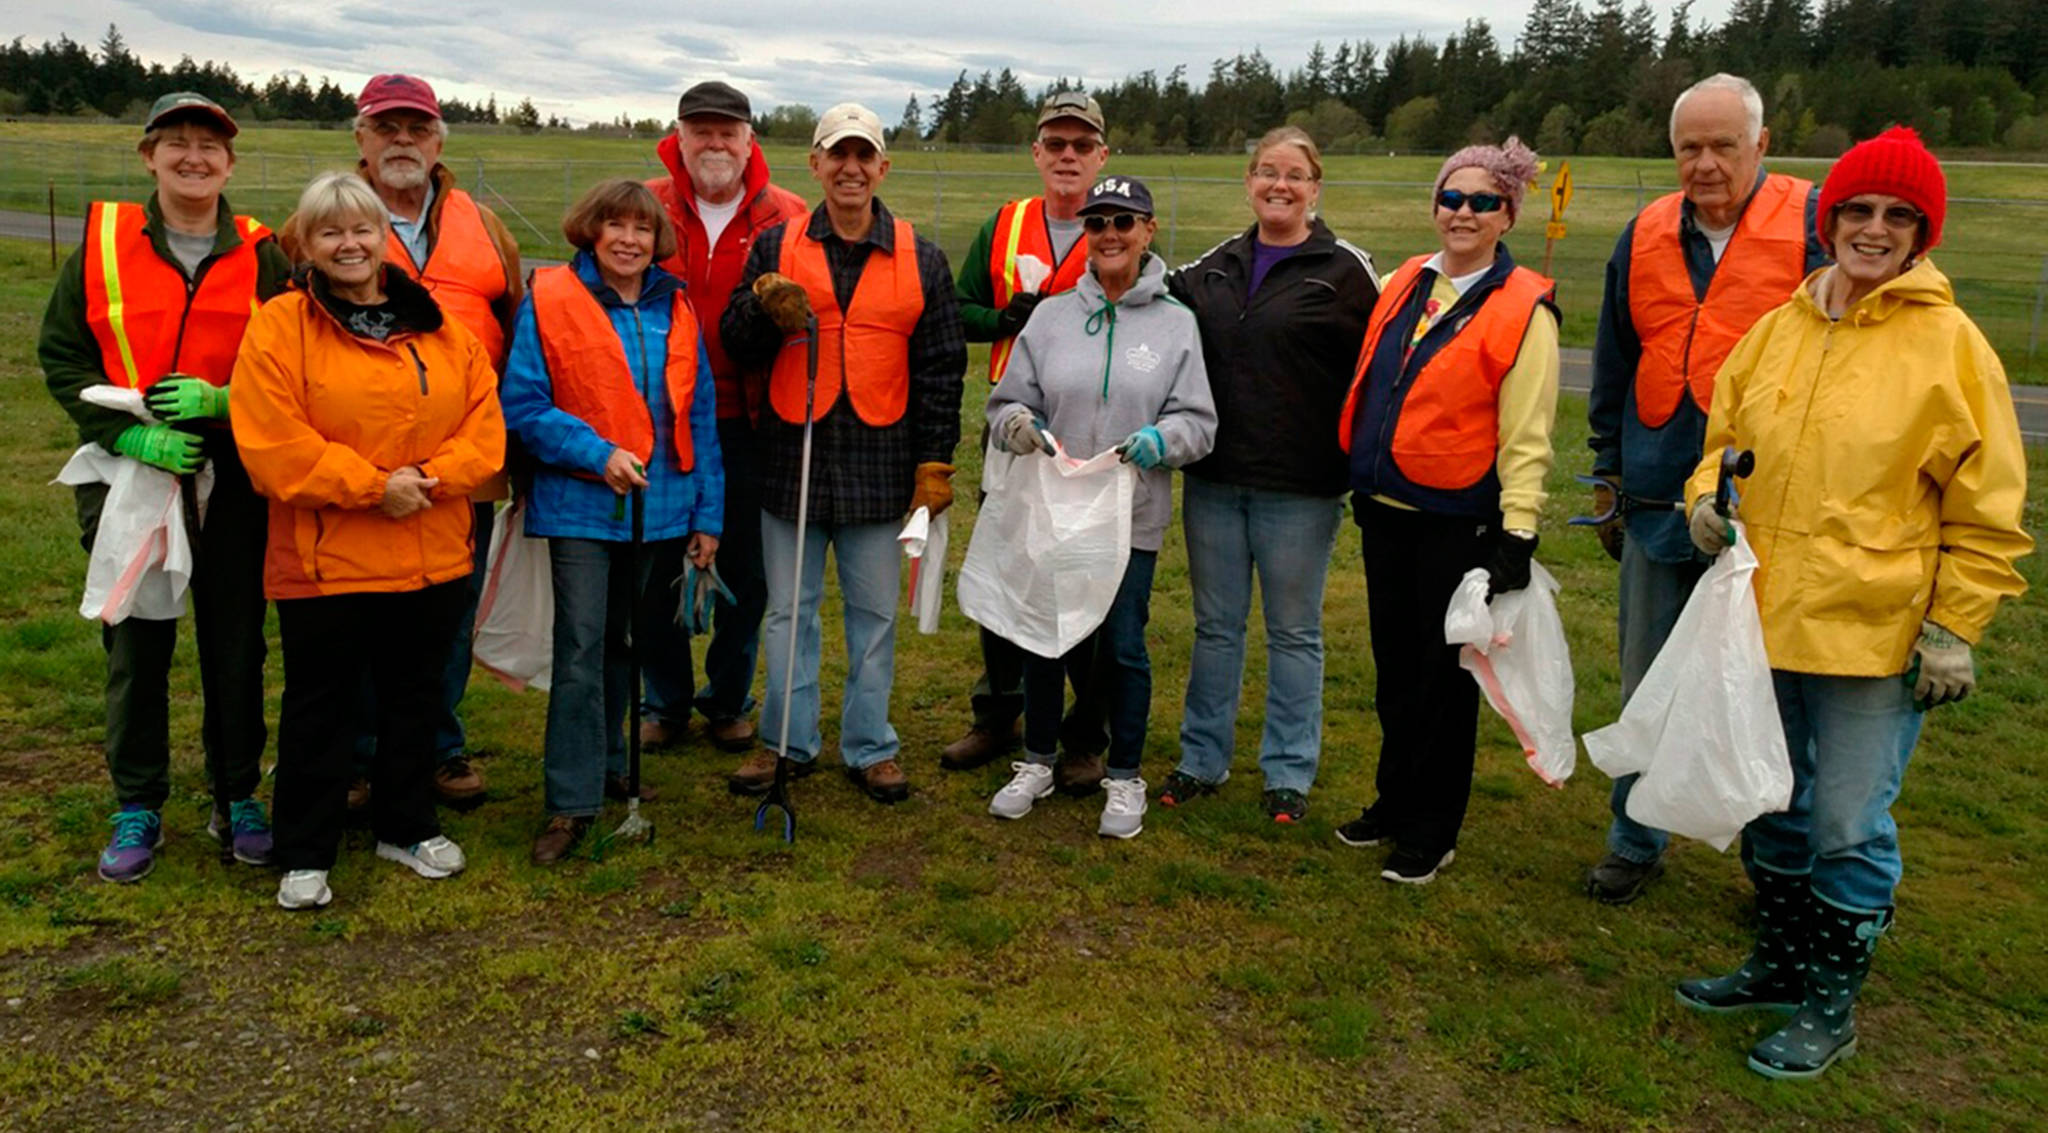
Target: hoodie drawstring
{"points": [[1096, 319]]}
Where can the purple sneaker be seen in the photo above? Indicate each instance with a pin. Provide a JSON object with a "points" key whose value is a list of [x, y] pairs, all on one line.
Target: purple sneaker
{"points": [[250, 827], [131, 853]]}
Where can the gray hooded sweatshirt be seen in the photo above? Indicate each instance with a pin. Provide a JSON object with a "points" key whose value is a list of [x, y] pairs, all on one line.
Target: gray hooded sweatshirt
{"points": [[1095, 373]]}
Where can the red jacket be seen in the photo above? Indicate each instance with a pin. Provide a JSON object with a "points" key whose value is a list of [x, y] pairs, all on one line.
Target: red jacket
{"points": [[709, 273]]}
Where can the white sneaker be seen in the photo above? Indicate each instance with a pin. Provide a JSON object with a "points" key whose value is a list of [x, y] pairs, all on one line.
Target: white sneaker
{"points": [[1032, 783], [436, 857], [303, 889], [1123, 811]]}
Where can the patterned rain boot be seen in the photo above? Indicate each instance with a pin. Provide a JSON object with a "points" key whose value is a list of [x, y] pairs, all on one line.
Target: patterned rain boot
{"points": [[1823, 1031], [1773, 978]]}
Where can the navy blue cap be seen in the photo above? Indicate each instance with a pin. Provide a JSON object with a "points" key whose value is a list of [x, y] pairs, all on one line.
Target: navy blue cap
{"points": [[1119, 194]]}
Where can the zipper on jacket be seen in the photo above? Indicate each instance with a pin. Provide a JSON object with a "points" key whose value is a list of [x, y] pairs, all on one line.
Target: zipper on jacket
{"points": [[419, 367], [185, 315], [1685, 357]]}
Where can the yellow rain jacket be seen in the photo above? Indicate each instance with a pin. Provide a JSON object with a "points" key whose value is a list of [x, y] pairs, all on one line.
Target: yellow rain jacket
{"points": [[1890, 476]]}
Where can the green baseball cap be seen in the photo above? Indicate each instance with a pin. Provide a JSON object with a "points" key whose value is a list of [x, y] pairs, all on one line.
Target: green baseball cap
{"points": [[190, 103]]}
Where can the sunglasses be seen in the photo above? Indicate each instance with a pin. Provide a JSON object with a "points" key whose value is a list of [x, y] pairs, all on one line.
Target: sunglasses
{"points": [[1900, 217], [1081, 146], [1096, 223], [1451, 200]]}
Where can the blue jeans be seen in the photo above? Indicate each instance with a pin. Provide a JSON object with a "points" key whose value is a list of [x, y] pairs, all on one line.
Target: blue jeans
{"points": [[595, 587], [1653, 594], [1118, 645], [665, 664], [1850, 738], [1287, 538], [870, 569]]}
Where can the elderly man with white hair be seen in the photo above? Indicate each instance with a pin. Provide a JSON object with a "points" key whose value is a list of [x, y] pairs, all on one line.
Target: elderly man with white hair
{"points": [[1688, 277]]}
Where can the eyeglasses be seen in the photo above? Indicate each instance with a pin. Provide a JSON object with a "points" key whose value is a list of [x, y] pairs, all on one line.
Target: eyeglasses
{"points": [[1082, 147], [419, 130], [1900, 217], [1451, 200], [1096, 223], [1291, 177]]}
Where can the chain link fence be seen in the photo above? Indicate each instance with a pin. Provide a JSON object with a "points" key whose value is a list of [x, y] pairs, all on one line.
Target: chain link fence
{"points": [[1992, 249]]}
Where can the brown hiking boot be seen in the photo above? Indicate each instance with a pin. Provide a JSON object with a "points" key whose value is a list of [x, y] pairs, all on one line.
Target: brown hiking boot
{"points": [[456, 782], [757, 771], [615, 788], [884, 782], [1079, 775], [735, 735], [558, 838], [657, 734], [979, 748]]}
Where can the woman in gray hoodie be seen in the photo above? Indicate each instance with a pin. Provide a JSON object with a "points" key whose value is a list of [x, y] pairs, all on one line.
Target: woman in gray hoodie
{"points": [[1115, 362]]}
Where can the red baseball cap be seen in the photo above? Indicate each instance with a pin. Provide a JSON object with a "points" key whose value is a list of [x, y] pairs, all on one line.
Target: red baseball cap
{"points": [[397, 92]]}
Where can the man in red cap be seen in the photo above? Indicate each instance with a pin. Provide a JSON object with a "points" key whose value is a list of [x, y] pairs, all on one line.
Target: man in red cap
{"points": [[718, 195], [463, 254]]}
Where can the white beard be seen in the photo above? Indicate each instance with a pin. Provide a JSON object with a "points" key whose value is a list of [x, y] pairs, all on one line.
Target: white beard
{"points": [[714, 174], [401, 177]]}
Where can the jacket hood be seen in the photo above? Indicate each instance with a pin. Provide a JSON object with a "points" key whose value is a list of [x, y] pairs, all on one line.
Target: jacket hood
{"points": [[657, 286], [1921, 284], [752, 181], [1151, 285]]}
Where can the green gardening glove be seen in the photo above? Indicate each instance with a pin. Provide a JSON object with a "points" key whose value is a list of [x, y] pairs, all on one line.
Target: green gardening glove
{"points": [[181, 397], [161, 446]]}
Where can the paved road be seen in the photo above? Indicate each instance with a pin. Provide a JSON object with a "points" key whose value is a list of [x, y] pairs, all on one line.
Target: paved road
{"points": [[1576, 375]]}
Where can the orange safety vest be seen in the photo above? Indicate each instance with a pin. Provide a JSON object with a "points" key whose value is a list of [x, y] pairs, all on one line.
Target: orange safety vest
{"points": [[1685, 339], [866, 350], [148, 320], [1447, 425], [592, 379], [1020, 232], [463, 270]]}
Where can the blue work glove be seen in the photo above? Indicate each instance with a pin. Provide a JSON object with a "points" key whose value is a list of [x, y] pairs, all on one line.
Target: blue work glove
{"points": [[161, 446], [1144, 448], [182, 397]]}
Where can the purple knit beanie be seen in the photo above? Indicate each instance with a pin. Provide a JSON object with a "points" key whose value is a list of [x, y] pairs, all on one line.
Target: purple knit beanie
{"points": [[1511, 164]]}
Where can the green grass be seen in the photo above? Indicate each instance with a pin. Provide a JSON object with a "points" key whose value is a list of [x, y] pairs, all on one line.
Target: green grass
{"points": [[1377, 202], [925, 967]]}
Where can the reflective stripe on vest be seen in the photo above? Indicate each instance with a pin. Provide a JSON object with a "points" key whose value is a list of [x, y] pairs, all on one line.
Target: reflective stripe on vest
{"points": [[148, 320], [864, 351], [592, 379], [1446, 433], [463, 270], [1021, 234], [1685, 339]]}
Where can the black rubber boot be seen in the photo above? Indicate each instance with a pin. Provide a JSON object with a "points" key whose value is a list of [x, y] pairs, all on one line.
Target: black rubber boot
{"points": [[1773, 978], [1823, 1031]]}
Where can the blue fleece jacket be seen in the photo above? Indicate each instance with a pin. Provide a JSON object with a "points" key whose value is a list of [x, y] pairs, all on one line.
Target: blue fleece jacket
{"points": [[569, 497]]}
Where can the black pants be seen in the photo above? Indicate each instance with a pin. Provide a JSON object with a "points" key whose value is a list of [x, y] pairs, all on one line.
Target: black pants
{"points": [[227, 617], [399, 642], [1428, 706]]}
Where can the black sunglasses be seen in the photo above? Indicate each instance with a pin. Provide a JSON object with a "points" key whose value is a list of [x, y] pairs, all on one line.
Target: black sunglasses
{"points": [[1096, 223], [1900, 217], [1451, 200], [1081, 146]]}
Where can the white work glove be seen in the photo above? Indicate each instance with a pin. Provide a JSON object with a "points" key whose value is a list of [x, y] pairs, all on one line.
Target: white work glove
{"points": [[1023, 434], [1942, 662], [1711, 533]]}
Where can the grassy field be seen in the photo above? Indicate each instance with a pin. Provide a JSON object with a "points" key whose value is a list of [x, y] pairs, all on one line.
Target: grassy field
{"points": [[927, 967], [1378, 203]]}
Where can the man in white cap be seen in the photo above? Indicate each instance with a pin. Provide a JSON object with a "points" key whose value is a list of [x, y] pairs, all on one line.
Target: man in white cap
{"points": [[885, 419]]}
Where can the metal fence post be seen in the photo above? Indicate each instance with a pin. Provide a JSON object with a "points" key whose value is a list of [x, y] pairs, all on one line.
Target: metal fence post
{"points": [[938, 196], [1172, 213], [567, 200], [2040, 292], [479, 173], [84, 197]]}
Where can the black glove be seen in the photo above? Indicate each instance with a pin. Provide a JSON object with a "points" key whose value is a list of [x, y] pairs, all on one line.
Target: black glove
{"points": [[1508, 570], [1011, 319]]}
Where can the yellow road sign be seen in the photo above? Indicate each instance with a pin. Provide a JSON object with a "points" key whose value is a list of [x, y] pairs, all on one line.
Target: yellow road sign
{"points": [[1561, 191]]}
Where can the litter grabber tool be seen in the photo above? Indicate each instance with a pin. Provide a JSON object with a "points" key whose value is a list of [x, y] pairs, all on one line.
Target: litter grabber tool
{"points": [[1735, 465], [778, 791], [635, 828], [1624, 505]]}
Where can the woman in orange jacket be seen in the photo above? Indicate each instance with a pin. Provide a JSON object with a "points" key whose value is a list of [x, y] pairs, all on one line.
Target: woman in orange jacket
{"points": [[366, 418]]}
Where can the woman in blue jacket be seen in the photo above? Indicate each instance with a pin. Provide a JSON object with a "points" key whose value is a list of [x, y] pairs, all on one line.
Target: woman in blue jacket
{"points": [[608, 387]]}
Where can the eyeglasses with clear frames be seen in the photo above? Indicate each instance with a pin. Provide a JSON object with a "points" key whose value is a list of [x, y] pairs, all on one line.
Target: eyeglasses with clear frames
{"points": [[1292, 177], [419, 130]]}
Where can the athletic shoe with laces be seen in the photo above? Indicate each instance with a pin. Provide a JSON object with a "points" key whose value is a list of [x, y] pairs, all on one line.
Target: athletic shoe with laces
{"points": [[1407, 867], [131, 852], [435, 858], [246, 828], [303, 889], [1123, 808], [1181, 787], [1365, 830], [1032, 782], [1285, 805]]}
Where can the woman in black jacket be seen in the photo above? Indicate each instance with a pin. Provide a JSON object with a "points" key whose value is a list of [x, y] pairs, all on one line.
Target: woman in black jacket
{"points": [[1282, 309]]}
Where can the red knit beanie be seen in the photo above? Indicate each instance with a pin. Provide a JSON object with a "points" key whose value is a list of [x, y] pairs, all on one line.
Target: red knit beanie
{"points": [[1896, 164]]}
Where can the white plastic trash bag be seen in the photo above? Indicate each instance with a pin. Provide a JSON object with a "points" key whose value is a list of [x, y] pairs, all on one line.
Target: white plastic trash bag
{"points": [[1515, 648], [1049, 547], [1702, 728], [924, 544], [515, 614]]}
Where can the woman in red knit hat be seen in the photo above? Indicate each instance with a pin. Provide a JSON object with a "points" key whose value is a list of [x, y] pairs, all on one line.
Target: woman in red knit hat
{"points": [[1885, 515]]}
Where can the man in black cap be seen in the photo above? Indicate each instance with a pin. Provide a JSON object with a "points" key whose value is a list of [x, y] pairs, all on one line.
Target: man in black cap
{"points": [[718, 195]]}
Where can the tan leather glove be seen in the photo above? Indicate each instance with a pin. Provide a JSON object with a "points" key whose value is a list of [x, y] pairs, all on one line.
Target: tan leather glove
{"points": [[1710, 533], [1613, 533], [934, 487], [784, 300]]}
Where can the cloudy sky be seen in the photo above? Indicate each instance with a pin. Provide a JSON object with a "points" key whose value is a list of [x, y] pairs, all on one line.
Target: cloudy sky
{"points": [[597, 60]]}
